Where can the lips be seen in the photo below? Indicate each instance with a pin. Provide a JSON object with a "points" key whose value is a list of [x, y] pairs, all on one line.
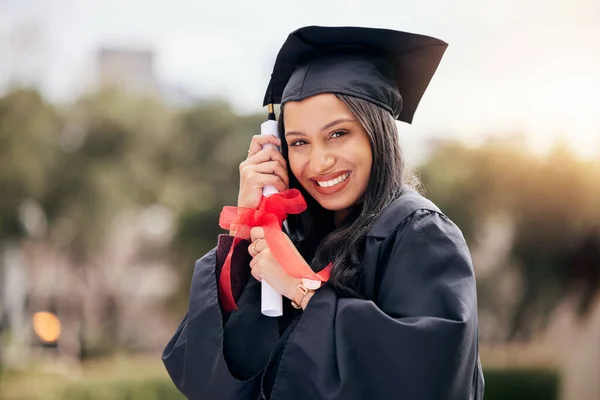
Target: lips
{"points": [[333, 186], [334, 181]]}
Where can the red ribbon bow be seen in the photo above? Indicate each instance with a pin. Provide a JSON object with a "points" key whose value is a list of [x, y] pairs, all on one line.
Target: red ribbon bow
{"points": [[270, 214]]}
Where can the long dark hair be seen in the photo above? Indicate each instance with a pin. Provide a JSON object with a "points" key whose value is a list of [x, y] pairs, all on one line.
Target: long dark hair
{"points": [[314, 232]]}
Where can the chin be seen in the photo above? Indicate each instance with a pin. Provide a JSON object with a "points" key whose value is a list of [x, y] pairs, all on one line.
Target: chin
{"points": [[343, 200], [334, 204]]}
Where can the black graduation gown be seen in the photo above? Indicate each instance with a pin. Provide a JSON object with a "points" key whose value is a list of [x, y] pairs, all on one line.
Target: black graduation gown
{"points": [[414, 337]]}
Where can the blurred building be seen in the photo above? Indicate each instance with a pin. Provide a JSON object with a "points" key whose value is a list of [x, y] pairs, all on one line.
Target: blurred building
{"points": [[23, 54], [133, 71], [127, 69]]}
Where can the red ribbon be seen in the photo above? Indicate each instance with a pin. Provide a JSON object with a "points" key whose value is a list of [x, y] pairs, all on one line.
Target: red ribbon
{"points": [[270, 214]]}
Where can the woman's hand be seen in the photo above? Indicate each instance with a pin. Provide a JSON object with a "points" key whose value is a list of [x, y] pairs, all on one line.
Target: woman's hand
{"points": [[262, 167], [265, 266]]}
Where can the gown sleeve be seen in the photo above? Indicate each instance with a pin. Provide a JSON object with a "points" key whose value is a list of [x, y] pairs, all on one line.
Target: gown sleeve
{"points": [[208, 358], [417, 337], [240, 273]]}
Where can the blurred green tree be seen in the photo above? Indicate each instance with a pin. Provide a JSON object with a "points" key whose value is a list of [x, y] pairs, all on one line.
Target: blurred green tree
{"points": [[207, 150], [86, 165], [29, 127], [122, 153], [552, 204]]}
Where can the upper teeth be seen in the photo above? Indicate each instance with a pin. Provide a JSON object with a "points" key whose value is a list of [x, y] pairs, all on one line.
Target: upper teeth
{"points": [[335, 181]]}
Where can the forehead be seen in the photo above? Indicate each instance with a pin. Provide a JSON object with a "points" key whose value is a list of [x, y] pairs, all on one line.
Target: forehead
{"points": [[314, 112]]}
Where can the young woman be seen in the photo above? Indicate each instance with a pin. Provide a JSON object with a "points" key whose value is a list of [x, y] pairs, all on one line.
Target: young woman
{"points": [[397, 318]]}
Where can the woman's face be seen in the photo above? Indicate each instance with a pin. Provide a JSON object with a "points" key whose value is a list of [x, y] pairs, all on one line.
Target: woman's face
{"points": [[329, 150]]}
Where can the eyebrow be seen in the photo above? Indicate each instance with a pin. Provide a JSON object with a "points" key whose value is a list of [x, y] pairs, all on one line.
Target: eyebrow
{"points": [[325, 127]]}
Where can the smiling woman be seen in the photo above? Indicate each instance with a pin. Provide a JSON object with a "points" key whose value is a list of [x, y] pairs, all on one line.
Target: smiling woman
{"points": [[397, 317], [329, 152]]}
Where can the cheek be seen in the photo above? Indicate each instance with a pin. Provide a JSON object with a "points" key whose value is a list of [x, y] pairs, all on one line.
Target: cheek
{"points": [[365, 156], [362, 159], [296, 165], [369, 162]]}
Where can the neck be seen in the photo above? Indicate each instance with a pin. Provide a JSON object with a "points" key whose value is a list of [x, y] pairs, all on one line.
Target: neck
{"points": [[339, 216]]}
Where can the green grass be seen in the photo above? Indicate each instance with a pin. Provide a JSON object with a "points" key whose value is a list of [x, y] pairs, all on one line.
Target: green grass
{"points": [[521, 384], [115, 378], [144, 378]]}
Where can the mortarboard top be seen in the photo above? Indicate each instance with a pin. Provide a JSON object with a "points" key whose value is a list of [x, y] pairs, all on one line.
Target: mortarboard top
{"points": [[389, 68]]}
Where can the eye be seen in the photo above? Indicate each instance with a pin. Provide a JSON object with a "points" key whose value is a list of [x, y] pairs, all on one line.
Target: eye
{"points": [[297, 143], [338, 134]]}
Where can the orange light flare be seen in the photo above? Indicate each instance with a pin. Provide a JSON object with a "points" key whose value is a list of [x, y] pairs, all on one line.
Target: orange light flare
{"points": [[47, 326]]}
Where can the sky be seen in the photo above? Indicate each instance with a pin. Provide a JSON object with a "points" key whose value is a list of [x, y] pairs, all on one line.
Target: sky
{"points": [[512, 66]]}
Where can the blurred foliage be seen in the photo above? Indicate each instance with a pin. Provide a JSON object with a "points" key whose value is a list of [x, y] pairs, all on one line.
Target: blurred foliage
{"points": [[208, 147], [29, 129], [521, 384], [551, 203], [144, 389], [156, 389], [118, 377], [108, 160], [500, 384], [68, 175]]}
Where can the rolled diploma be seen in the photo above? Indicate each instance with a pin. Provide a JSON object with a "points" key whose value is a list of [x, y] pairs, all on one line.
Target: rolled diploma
{"points": [[271, 301]]}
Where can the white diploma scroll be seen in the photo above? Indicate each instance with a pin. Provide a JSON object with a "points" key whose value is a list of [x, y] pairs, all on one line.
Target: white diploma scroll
{"points": [[271, 301]]}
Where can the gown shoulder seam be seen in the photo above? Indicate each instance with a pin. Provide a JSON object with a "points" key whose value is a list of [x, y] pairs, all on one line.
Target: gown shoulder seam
{"points": [[394, 229]]}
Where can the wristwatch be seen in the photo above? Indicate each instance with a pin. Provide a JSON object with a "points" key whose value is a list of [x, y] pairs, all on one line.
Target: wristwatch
{"points": [[307, 285], [311, 284]]}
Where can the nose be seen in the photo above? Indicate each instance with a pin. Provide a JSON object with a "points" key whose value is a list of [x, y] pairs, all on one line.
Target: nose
{"points": [[321, 160]]}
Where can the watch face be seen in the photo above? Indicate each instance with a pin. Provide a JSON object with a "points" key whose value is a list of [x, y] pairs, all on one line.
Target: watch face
{"points": [[311, 284]]}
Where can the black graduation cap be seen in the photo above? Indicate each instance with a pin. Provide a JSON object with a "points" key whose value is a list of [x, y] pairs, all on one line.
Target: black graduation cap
{"points": [[389, 68]]}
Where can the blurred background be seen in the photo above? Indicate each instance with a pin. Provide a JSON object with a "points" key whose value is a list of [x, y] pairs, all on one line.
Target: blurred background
{"points": [[122, 124]]}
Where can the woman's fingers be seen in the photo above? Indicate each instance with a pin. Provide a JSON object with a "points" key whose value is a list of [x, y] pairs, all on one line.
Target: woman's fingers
{"points": [[272, 168], [251, 187], [253, 270], [259, 180], [256, 276], [263, 167], [273, 161], [257, 232], [264, 155], [258, 141], [256, 247]]}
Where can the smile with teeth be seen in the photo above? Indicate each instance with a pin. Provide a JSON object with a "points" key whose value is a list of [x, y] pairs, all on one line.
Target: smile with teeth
{"points": [[335, 181]]}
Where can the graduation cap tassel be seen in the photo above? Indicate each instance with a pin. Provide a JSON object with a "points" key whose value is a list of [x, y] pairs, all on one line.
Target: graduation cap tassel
{"points": [[271, 301]]}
